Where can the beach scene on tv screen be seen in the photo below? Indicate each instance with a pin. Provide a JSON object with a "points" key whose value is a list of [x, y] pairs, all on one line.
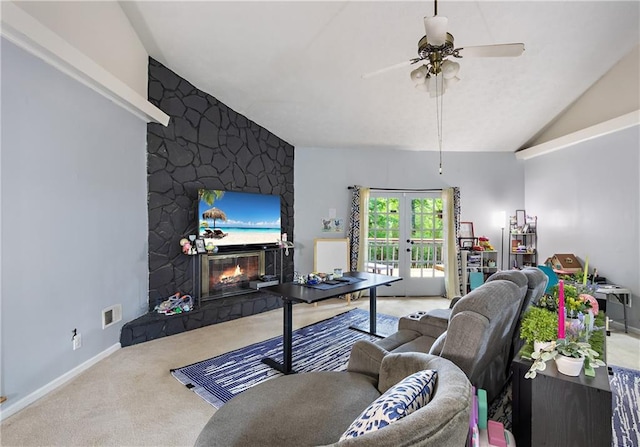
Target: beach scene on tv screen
{"points": [[238, 218]]}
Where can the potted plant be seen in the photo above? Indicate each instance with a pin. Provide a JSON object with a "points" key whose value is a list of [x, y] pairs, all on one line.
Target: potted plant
{"points": [[575, 301], [569, 355], [539, 326]]}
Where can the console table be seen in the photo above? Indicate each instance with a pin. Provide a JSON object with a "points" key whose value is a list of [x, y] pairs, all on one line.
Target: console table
{"points": [[559, 410]]}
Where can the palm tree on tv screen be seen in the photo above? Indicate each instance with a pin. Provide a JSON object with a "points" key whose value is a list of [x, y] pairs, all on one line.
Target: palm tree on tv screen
{"points": [[209, 196], [214, 214]]}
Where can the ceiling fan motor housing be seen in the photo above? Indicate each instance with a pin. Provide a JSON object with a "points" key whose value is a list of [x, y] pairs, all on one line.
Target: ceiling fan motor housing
{"points": [[425, 48]]}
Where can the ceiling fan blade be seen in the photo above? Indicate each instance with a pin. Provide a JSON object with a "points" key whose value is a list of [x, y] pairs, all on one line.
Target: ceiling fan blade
{"points": [[436, 30], [392, 67], [501, 50]]}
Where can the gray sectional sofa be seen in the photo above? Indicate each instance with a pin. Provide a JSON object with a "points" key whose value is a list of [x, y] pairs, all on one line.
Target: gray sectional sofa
{"points": [[315, 409], [480, 333]]}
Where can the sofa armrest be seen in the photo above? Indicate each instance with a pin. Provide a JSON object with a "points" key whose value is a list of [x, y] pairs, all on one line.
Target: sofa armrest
{"points": [[366, 358], [454, 300], [432, 324], [397, 366]]}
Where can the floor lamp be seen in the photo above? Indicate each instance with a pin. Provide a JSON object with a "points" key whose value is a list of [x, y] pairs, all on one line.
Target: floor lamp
{"points": [[502, 249], [500, 218]]}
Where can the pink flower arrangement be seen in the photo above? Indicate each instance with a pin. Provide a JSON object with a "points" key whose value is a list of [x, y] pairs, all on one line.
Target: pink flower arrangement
{"points": [[594, 303]]}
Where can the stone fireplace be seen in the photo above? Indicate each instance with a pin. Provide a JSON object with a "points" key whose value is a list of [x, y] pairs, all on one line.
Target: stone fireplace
{"points": [[206, 145], [229, 274]]}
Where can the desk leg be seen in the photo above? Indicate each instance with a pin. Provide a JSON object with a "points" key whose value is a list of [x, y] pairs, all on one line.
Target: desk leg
{"points": [[623, 299], [373, 316], [287, 337], [373, 311]]}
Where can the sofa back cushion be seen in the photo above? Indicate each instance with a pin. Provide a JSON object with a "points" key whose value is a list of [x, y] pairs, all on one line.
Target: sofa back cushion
{"points": [[480, 333], [402, 399]]}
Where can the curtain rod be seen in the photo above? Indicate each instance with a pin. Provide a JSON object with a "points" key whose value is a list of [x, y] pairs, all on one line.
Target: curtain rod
{"points": [[401, 189]]}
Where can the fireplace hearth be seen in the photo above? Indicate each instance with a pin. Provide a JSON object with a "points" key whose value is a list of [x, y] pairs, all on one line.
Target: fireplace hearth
{"points": [[225, 275]]}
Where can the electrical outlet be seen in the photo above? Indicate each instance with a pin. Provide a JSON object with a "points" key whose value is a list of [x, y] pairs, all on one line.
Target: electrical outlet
{"points": [[77, 341]]}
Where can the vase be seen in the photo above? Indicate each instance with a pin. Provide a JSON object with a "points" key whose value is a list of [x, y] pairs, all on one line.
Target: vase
{"points": [[569, 366], [540, 345]]}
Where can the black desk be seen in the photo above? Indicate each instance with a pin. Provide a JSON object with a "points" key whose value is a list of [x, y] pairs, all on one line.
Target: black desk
{"points": [[295, 293]]}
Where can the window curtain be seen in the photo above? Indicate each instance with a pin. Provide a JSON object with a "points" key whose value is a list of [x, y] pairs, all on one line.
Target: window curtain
{"points": [[451, 224], [358, 228]]}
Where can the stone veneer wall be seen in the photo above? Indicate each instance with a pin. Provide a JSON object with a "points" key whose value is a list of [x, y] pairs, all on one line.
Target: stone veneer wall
{"points": [[206, 145]]}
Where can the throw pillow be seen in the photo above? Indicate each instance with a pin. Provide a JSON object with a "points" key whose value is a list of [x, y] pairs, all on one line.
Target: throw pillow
{"points": [[402, 399]]}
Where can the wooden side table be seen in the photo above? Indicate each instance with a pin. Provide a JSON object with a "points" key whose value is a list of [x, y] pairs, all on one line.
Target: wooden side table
{"points": [[558, 410]]}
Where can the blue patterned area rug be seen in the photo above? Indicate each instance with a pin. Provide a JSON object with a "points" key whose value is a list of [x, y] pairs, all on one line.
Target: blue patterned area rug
{"points": [[323, 346], [625, 390]]}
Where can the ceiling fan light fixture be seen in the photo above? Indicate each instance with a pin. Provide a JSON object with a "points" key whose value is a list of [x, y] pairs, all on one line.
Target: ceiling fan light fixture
{"points": [[450, 69], [419, 75], [436, 30]]}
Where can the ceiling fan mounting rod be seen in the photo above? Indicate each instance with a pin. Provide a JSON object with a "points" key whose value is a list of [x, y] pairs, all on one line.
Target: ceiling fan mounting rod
{"points": [[435, 60]]}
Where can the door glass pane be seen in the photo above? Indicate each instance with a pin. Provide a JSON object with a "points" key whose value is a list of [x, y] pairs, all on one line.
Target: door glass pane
{"points": [[384, 231], [426, 237]]}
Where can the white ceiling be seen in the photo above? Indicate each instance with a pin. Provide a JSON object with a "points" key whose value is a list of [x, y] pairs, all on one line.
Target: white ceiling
{"points": [[295, 67]]}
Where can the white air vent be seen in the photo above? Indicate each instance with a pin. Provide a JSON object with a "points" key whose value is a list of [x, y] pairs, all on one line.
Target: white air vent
{"points": [[111, 315]]}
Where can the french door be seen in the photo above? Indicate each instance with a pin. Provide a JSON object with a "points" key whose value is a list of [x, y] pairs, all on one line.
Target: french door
{"points": [[405, 239]]}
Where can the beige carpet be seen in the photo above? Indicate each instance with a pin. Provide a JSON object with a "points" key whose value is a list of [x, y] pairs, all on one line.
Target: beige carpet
{"points": [[131, 399]]}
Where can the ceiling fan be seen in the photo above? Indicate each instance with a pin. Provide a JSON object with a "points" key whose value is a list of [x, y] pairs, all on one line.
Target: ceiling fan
{"points": [[437, 72]]}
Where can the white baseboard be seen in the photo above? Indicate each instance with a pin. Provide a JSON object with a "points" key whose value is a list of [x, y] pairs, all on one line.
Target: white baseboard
{"points": [[619, 327], [10, 410]]}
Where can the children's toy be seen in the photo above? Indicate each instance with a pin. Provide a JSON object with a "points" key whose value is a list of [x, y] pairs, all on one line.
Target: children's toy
{"points": [[483, 241], [186, 246], [175, 304]]}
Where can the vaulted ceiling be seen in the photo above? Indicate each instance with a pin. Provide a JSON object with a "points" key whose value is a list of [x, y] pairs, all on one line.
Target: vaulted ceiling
{"points": [[296, 67]]}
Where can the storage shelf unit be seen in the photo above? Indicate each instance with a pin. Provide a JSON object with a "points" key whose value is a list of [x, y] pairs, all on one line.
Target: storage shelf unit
{"points": [[477, 266], [523, 240]]}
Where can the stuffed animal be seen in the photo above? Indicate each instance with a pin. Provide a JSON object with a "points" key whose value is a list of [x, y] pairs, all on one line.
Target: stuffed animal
{"points": [[186, 246], [484, 243]]}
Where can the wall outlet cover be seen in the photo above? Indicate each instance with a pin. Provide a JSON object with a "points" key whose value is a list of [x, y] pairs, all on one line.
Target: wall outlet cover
{"points": [[77, 341]]}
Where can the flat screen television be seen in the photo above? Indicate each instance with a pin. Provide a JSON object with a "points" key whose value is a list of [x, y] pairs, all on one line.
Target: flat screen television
{"points": [[238, 218]]}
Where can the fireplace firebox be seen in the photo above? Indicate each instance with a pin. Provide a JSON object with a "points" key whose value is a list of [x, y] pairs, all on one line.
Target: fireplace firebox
{"points": [[229, 274]]}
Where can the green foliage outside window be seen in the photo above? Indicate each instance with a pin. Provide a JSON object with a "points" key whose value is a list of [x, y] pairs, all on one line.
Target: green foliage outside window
{"points": [[384, 228]]}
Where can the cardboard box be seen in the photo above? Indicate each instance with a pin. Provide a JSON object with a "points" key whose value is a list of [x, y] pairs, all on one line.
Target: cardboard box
{"points": [[566, 262]]}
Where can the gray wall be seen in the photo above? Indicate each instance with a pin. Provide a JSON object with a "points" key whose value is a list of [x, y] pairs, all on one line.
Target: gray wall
{"points": [[587, 201], [489, 182], [74, 221]]}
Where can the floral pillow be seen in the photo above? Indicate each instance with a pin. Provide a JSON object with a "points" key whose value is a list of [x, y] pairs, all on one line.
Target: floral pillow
{"points": [[402, 399]]}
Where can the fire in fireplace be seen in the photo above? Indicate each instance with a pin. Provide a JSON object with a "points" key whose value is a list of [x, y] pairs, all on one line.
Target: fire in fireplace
{"points": [[230, 274]]}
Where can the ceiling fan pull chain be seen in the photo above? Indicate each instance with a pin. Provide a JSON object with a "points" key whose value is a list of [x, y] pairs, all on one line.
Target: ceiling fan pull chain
{"points": [[439, 115]]}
